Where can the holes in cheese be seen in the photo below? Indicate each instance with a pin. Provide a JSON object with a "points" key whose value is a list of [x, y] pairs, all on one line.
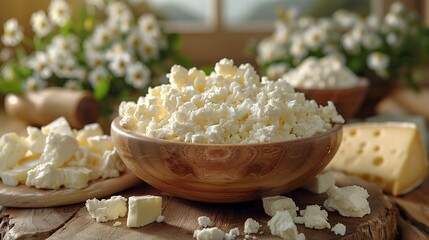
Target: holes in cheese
{"points": [[390, 154]]}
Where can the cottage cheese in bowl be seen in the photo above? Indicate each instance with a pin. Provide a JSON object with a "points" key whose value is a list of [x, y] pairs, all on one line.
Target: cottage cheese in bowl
{"points": [[231, 105], [327, 72]]}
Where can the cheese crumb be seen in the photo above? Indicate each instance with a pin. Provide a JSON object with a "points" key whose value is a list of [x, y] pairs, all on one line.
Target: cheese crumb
{"points": [[231, 105], [233, 233], [313, 217], [282, 225], [117, 224], [339, 229], [213, 233], [251, 226], [349, 201], [160, 219], [321, 183], [107, 209], [204, 222], [279, 203]]}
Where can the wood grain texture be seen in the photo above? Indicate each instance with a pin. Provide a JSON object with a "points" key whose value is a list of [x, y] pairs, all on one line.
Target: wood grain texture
{"points": [[181, 218], [225, 172], [415, 206], [24, 197]]}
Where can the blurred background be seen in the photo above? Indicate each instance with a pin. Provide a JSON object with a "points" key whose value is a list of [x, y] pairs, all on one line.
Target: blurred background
{"points": [[214, 29]]}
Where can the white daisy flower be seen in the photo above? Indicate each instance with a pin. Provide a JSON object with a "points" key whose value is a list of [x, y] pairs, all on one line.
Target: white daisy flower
{"points": [[149, 26], [119, 16], [119, 64], [102, 36], [95, 59], [275, 71], [345, 19], [306, 22], [371, 41], [138, 75], [34, 83], [350, 43], [7, 73], [40, 64], [133, 40], [115, 50], [298, 49], [57, 55], [67, 44], [314, 37], [96, 3], [65, 67], [373, 22], [73, 84], [268, 50], [282, 33], [59, 12], [148, 50], [12, 33], [395, 21], [378, 61], [96, 75], [40, 23], [393, 39], [117, 9], [397, 7]]}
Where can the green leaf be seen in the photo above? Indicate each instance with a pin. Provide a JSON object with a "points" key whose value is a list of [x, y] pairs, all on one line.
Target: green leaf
{"points": [[10, 86], [182, 60], [207, 69], [102, 89]]}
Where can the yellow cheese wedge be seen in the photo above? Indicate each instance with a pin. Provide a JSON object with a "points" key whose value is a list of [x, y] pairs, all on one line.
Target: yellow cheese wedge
{"points": [[389, 154]]}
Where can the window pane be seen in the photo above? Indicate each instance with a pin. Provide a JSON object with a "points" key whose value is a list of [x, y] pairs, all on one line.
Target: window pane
{"points": [[185, 15], [257, 14]]}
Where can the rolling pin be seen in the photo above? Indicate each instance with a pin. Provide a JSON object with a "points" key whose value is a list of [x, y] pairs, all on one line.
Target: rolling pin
{"points": [[42, 107]]}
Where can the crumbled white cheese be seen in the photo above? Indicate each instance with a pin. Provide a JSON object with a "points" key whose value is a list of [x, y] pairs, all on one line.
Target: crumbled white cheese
{"points": [[349, 201], [231, 105], [251, 226], [279, 203], [12, 149], [282, 225], [313, 217], [321, 183], [327, 72], [204, 221], [107, 209], [339, 229], [233, 233], [117, 224], [213, 233], [143, 210], [160, 219]]}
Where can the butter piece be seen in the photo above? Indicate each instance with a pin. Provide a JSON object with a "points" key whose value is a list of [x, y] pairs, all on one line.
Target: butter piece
{"points": [[321, 183], [143, 210], [282, 225], [389, 154], [107, 209], [279, 203]]}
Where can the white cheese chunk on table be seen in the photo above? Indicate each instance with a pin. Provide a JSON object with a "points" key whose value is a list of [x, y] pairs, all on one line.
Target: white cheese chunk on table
{"points": [[321, 183], [143, 210], [251, 226], [282, 225], [278, 203], [339, 229], [313, 217], [18, 175], [213, 233], [349, 201], [107, 209], [389, 154]]}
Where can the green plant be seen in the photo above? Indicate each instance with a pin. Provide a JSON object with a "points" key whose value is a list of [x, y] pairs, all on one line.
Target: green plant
{"points": [[107, 51]]}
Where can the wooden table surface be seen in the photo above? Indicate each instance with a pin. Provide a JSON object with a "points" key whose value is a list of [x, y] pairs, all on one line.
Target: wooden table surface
{"points": [[74, 222]]}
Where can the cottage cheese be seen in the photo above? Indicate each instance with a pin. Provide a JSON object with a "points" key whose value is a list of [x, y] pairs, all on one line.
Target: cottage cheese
{"points": [[107, 209], [327, 72], [231, 105], [56, 156], [313, 217]]}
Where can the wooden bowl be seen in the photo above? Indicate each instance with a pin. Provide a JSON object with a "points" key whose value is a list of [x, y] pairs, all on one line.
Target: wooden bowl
{"points": [[223, 172], [346, 100]]}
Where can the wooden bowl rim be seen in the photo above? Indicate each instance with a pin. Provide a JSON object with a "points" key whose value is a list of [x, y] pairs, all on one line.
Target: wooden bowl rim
{"points": [[363, 83], [116, 128]]}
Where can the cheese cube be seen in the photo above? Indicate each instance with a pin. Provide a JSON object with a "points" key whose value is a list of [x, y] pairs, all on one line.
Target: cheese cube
{"points": [[349, 201], [18, 174], [279, 203], [107, 209], [89, 130], [100, 144], [45, 176], [58, 126], [321, 183], [389, 154], [59, 149], [76, 177], [251, 226], [282, 225], [36, 140], [143, 210], [12, 149]]}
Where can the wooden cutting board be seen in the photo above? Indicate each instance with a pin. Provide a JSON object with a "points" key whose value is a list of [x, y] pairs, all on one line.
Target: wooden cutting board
{"points": [[74, 222], [29, 197]]}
